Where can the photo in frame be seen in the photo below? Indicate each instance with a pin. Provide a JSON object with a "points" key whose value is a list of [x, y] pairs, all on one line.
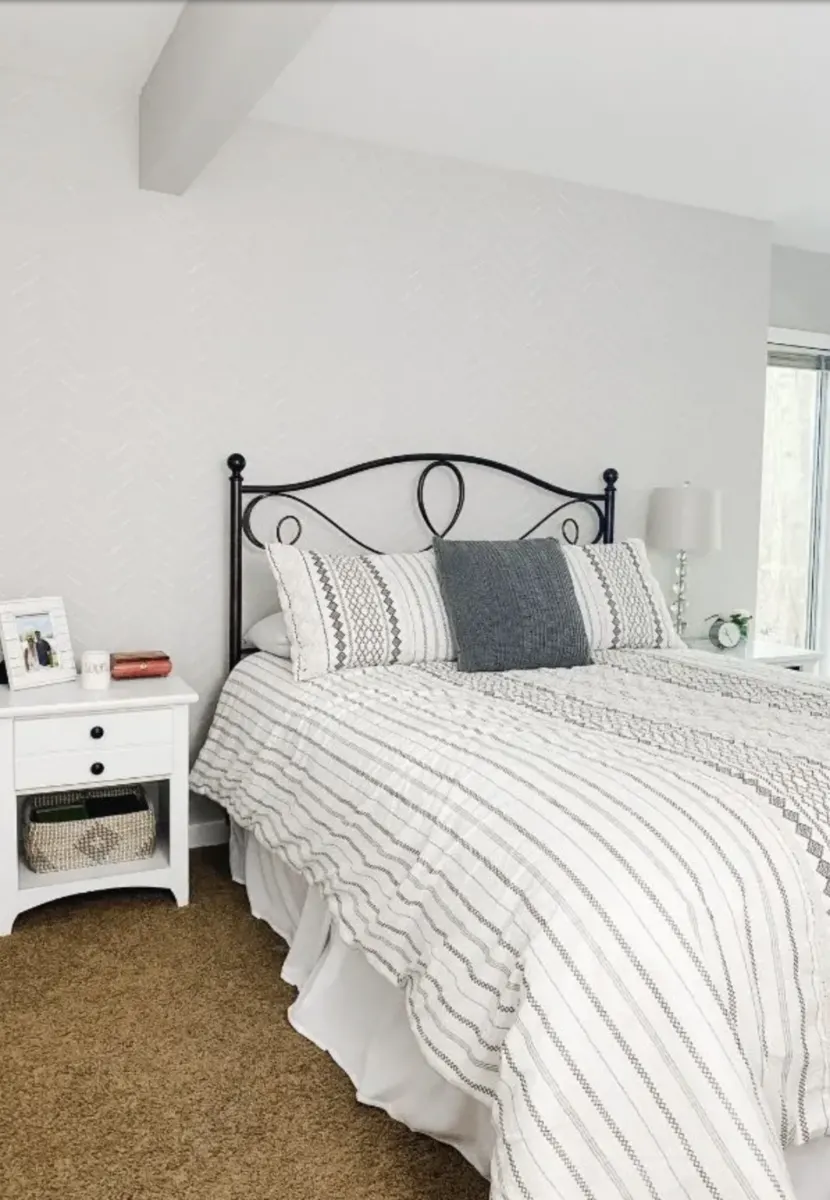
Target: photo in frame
{"points": [[34, 636]]}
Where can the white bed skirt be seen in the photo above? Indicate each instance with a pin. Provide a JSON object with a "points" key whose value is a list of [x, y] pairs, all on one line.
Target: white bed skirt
{"points": [[346, 1008]]}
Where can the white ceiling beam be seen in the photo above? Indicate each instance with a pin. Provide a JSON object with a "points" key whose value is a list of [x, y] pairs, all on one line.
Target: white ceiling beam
{"points": [[219, 61]]}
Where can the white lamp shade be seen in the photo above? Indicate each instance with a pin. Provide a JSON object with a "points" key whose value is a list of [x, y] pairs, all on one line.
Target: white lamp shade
{"points": [[684, 518]]}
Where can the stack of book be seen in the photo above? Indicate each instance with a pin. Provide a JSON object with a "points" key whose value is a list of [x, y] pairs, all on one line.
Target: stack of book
{"points": [[137, 664]]}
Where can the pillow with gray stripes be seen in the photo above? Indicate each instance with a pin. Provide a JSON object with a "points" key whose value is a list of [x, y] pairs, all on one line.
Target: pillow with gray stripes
{"points": [[621, 602], [362, 610]]}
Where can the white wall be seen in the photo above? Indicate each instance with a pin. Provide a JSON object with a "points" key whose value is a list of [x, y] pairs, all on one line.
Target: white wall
{"points": [[800, 290], [313, 302]]}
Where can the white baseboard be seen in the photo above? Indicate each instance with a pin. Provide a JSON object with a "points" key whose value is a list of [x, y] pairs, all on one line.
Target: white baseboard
{"points": [[208, 823]]}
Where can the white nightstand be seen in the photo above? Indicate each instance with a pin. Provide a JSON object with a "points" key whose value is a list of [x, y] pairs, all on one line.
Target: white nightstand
{"points": [[62, 737], [792, 657]]}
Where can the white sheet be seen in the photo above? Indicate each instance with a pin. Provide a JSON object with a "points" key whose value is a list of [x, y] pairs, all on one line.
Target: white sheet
{"points": [[347, 1009], [600, 891]]}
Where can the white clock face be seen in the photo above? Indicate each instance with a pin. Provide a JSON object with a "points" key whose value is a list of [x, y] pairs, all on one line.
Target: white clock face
{"points": [[729, 635]]}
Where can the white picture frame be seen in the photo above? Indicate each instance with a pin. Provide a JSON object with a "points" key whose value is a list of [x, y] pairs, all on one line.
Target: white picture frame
{"points": [[34, 635]]}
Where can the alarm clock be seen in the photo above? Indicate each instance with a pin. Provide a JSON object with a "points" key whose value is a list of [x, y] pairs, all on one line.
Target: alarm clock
{"points": [[724, 634]]}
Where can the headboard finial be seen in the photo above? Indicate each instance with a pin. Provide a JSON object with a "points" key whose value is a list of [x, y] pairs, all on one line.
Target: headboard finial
{"points": [[237, 464], [610, 475]]}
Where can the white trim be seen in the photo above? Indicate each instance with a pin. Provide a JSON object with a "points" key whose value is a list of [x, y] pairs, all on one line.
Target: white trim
{"points": [[802, 339], [798, 337], [214, 833], [208, 823]]}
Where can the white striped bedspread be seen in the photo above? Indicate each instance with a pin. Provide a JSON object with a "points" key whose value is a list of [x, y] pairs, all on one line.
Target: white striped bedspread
{"points": [[601, 890]]}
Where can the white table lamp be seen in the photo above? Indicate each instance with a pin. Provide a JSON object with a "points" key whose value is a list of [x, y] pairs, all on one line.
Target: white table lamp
{"points": [[685, 520]]}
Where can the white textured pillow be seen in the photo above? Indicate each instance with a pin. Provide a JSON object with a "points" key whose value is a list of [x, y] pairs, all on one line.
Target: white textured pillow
{"points": [[270, 635], [620, 600], [362, 610]]}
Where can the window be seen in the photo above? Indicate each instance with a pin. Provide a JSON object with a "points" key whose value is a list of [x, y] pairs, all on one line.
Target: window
{"points": [[791, 495]]}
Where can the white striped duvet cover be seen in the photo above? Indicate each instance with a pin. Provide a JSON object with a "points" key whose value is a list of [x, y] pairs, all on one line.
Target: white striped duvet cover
{"points": [[601, 891]]}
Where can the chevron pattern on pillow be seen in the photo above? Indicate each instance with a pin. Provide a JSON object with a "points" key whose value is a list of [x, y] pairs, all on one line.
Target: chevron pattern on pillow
{"points": [[363, 610], [620, 600]]}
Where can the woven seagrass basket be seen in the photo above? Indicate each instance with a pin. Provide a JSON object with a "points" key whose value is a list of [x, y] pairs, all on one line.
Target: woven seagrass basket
{"points": [[92, 841]]}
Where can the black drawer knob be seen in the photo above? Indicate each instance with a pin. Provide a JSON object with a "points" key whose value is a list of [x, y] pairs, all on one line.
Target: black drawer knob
{"points": [[96, 732], [97, 768]]}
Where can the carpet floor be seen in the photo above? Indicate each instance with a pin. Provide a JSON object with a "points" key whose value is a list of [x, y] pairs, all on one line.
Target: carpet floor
{"points": [[145, 1054]]}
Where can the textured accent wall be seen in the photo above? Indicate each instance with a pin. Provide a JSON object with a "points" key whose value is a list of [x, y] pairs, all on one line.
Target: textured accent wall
{"points": [[314, 301]]}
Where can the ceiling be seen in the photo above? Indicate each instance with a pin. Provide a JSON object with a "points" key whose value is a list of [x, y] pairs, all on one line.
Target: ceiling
{"points": [[720, 104], [97, 43]]}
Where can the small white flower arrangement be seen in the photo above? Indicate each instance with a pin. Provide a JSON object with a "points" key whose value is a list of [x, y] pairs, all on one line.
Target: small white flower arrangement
{"points": [[739, 617]]}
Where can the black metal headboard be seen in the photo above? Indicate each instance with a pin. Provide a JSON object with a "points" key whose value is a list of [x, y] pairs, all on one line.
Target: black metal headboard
{"points": [[600, 504]]}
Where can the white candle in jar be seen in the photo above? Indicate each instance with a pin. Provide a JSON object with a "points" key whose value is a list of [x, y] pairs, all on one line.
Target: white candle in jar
{"points": [[95, 670]]}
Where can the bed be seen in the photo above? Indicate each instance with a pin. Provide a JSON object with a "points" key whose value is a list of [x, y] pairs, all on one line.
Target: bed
{"points": [[573, 922]]}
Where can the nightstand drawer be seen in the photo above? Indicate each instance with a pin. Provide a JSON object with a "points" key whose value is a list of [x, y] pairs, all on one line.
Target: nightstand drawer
{"points": [[93, 732], [92, 766]]}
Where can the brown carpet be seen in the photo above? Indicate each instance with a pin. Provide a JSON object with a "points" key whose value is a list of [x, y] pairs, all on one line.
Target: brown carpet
{"points": [[145, 1055]]}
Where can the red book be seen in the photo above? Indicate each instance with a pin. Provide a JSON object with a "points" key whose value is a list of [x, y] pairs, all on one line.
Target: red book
{"points": [[139, 664]]}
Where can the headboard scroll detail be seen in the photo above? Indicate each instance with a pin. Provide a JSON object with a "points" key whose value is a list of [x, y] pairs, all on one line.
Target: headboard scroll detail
{"points": [[600, 504]]}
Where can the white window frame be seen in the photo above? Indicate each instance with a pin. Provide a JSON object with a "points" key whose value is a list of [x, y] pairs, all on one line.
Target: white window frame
{"points": [[798, 337], [818, 602]]}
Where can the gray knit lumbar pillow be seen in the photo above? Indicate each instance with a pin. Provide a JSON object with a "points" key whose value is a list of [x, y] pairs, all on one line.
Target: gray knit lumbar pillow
{"points": [[511, 605]]}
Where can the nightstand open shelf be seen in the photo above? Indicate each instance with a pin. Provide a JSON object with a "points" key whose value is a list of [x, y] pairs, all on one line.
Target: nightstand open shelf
{"points": [[66, 739], [95, 879]]}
